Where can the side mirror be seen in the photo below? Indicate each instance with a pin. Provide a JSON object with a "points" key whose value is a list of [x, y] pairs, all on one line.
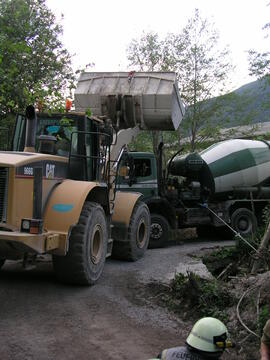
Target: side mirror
{"points": [[124, 171]]}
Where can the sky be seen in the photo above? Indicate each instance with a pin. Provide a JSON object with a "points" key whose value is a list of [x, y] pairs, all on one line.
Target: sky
{"points": [[99, 31]]}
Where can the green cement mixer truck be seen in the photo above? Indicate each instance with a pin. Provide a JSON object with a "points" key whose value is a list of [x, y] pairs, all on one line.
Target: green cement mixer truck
{"points": [[230, 179]]}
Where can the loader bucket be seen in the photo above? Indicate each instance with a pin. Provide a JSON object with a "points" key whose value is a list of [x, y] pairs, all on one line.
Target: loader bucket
{"points": [[150, 100]]}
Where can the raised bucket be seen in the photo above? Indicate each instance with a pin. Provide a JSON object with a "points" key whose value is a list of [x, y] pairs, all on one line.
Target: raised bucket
{"points": [[148, 99]]}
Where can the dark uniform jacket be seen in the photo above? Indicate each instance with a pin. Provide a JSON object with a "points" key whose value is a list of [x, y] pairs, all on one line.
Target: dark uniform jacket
{"points": [[181, 352]]}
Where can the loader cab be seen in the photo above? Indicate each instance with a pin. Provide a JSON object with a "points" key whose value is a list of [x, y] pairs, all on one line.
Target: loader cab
{"points": [[76, 137]]}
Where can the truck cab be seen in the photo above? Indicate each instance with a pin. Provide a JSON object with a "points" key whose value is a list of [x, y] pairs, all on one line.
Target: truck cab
{"points": [[141, 177]]}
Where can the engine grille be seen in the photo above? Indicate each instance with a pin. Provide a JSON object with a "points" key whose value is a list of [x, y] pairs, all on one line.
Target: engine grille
{"points": [[3, 193]]}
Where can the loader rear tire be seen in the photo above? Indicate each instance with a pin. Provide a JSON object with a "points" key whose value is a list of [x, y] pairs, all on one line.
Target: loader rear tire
{"points": [[159, 231], [138, 235], [84, 261]]}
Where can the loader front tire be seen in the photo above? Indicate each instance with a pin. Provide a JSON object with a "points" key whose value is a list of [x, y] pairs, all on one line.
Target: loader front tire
{"points": [[138, 235], [85, 259]]}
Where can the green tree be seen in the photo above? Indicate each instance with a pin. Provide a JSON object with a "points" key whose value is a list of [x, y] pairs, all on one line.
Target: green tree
{"points": [[146, 54], [203, 69], [259, 62], [33, 62]]}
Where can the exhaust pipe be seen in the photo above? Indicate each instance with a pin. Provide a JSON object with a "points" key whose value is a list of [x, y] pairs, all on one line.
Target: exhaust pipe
{"points": [[31, 124]]}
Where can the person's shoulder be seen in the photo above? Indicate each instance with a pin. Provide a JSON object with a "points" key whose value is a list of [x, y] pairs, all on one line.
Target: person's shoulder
{"points": [[180, 352], [266, 333], [267, 327]]}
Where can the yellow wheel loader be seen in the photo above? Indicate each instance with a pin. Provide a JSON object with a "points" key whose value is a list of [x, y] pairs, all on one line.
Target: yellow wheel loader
{"points": [[57, 187]]}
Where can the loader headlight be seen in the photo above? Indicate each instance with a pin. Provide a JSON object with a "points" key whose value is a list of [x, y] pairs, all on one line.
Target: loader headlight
{"points": [[25, 226], [32, 226]]}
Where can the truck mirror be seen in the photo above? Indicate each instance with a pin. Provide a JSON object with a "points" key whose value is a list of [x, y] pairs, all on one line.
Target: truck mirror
{"points": [[124, 171]]}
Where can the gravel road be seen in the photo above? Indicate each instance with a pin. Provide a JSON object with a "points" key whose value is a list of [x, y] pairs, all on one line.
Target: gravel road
{"points": [[115, 319]]}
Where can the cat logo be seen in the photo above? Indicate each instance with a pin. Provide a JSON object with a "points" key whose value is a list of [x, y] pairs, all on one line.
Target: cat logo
{"points": [[50, 171]]}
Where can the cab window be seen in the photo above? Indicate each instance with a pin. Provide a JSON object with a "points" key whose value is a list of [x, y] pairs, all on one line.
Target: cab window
{"points": [[142, 167], [61, 129]]}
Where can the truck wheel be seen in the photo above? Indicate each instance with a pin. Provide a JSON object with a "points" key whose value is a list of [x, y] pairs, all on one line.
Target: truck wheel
{"points": [[138, 235], [2, 261], [159, 231], [84, 261], [244, 221]]}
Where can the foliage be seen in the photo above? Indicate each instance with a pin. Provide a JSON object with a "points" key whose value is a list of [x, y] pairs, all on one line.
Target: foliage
{"points": [[219, 260], [204, 297], [142, 142], [264, 315], [203, 69], [146, 53], [266, 215], [259, 62], [201, 66], [33, 63], [6, 131], [244, 250], [222, 254]]}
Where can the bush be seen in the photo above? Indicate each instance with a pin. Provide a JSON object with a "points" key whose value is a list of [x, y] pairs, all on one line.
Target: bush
{"points": [[200, 296]]}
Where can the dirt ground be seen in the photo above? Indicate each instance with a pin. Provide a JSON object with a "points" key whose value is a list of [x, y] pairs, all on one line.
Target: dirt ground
{"points": [[240, 299], [118, 318]]}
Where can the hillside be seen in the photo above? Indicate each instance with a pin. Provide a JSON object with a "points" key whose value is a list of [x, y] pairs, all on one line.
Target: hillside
{"points": [[241, 113], [250, 104]]}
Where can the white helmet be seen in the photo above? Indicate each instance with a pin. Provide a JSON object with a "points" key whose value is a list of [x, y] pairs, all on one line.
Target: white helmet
{"points": [[209, 334]]}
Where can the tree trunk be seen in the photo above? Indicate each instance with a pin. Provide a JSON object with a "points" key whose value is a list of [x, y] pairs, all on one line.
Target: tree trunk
{"points": [[262, 248], [155, 140]]}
